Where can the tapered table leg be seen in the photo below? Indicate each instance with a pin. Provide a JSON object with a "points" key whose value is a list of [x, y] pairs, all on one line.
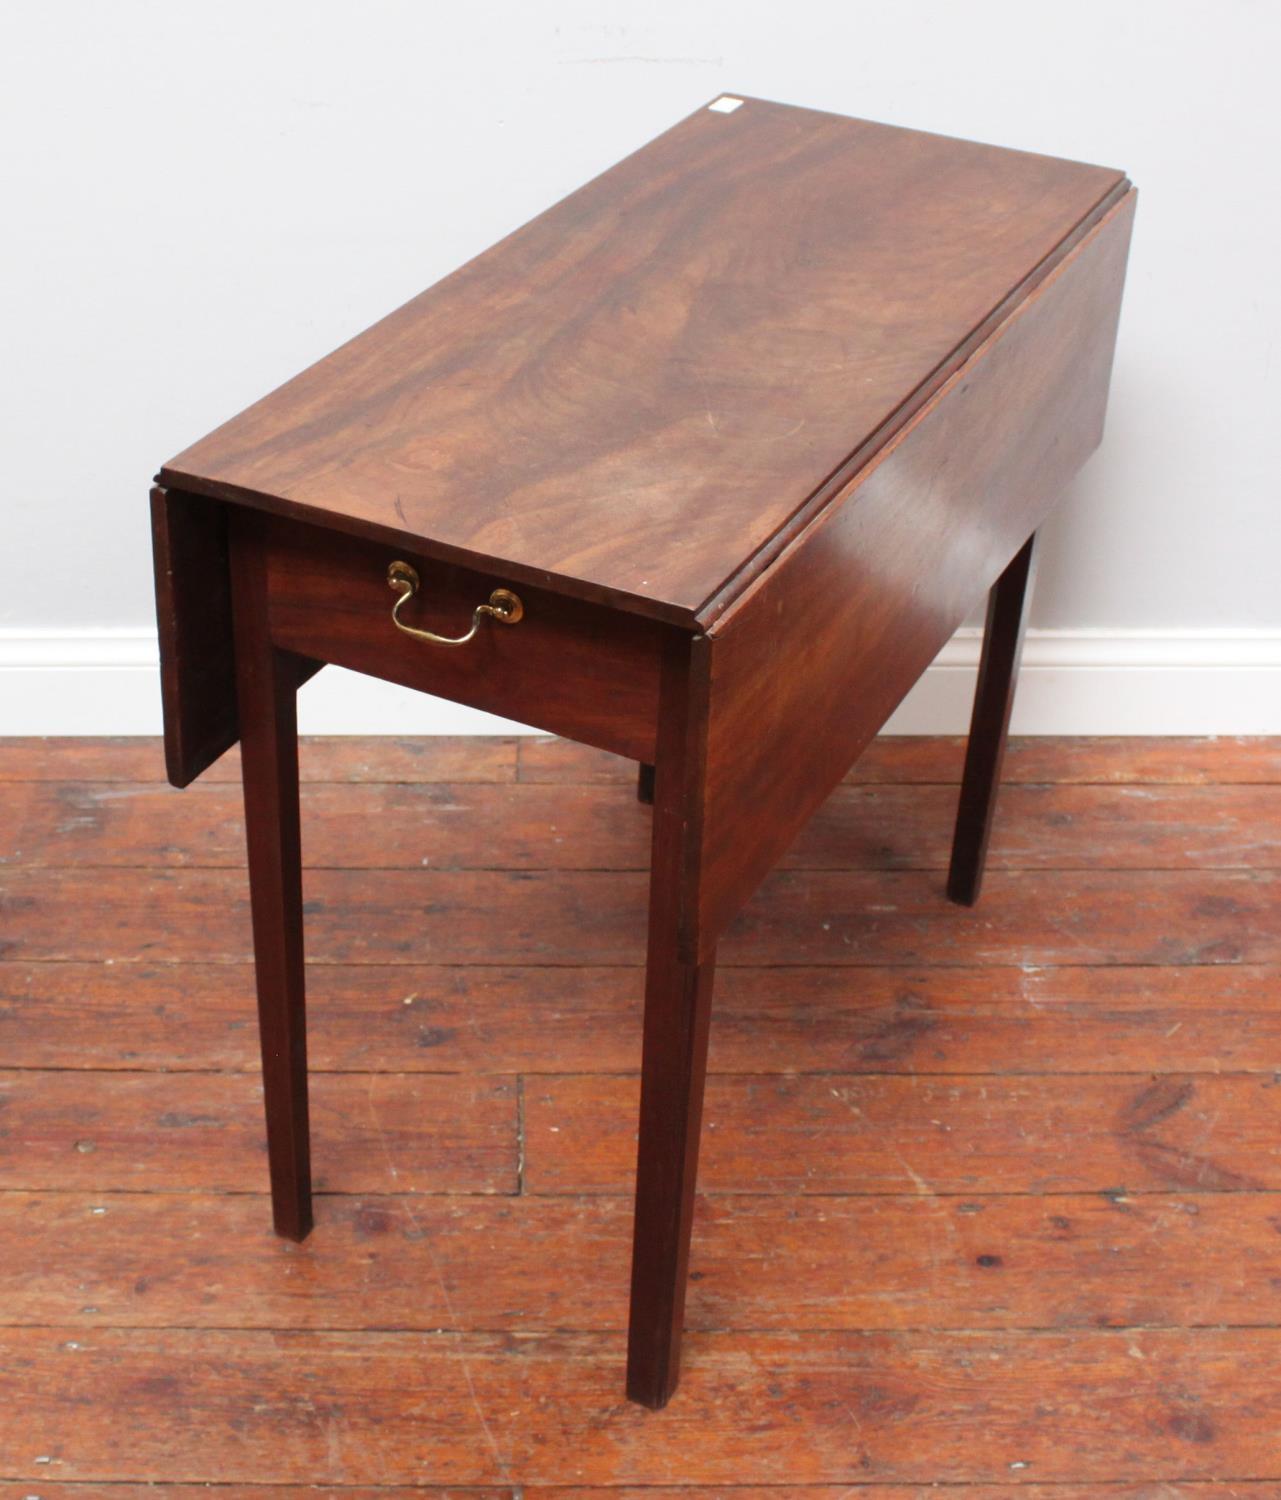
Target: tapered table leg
{"points": [[990, 722], [678, 994], [265, 686], [645, 784]]}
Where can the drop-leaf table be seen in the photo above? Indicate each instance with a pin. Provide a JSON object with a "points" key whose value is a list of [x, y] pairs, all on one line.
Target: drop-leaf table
{"points": [[702, 466]]}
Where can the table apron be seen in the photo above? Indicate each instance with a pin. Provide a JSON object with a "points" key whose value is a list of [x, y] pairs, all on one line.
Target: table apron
{"points": [[570, 668]]}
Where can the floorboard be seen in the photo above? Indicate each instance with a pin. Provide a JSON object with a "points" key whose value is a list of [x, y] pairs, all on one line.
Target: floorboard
{"points": [[535, 826], [991, 1199], [475, 1018], [850, 1134], [574, 917], [159, 1132], [916, 760], [495, 1409], [760, 1261]]}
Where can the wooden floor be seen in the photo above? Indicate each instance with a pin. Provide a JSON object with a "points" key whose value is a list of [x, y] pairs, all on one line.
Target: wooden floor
{"points": [[992, 1199]]}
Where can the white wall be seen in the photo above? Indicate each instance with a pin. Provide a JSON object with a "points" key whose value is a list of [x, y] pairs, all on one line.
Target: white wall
{"points": [[200, 199]]}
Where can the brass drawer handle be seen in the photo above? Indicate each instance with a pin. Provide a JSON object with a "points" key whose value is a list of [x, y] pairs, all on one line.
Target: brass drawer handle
{"points": [[505, 607]]}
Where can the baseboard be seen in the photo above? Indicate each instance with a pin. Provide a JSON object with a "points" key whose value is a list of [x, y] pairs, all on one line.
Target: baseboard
{"points": [[1072, 682], [1113, 682]]}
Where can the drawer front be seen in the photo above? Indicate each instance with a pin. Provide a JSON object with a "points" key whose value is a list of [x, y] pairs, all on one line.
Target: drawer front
{"points": [[571, 668]]}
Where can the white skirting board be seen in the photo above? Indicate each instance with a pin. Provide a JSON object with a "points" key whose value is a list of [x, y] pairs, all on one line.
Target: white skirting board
{"points": [[1201, 682]]}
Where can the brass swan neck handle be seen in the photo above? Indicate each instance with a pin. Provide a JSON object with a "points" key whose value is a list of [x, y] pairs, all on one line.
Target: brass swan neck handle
{"points": [[504, 606]]}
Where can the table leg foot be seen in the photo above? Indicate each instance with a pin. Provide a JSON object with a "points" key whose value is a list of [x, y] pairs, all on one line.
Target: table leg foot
{"points": [[265, 682], [989, 724], [677, 1010]]}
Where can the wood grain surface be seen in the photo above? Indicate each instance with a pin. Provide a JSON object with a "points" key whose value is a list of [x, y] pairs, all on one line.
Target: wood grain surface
{"points": [[633, 394], [79, 1490], [807, 665], [546, 1018], [912, 760], [169, 1131], [389, 1407], [1183, 1490], [542, 825], [1103, 760], [766, 1261], [989, 1200], [597, 917], [845, 1134]]}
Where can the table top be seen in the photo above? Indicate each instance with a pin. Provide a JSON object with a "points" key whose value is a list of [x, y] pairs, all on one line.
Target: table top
{"points": [[635, 396]]}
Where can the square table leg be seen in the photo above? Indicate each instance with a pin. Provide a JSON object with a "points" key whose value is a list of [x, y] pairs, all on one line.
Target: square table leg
{"points": [[990, 722], [678, 999], [266, 681]]}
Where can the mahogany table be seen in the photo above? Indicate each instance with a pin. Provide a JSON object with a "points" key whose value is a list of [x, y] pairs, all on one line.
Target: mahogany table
{"points": [[702, 466]]}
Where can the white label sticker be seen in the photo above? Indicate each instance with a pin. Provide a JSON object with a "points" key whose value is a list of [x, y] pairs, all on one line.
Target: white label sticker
{"points": [[725, 105]]}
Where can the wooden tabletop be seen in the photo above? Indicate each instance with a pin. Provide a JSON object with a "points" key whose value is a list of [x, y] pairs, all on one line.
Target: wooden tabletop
{"points": [[634, 394]]}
